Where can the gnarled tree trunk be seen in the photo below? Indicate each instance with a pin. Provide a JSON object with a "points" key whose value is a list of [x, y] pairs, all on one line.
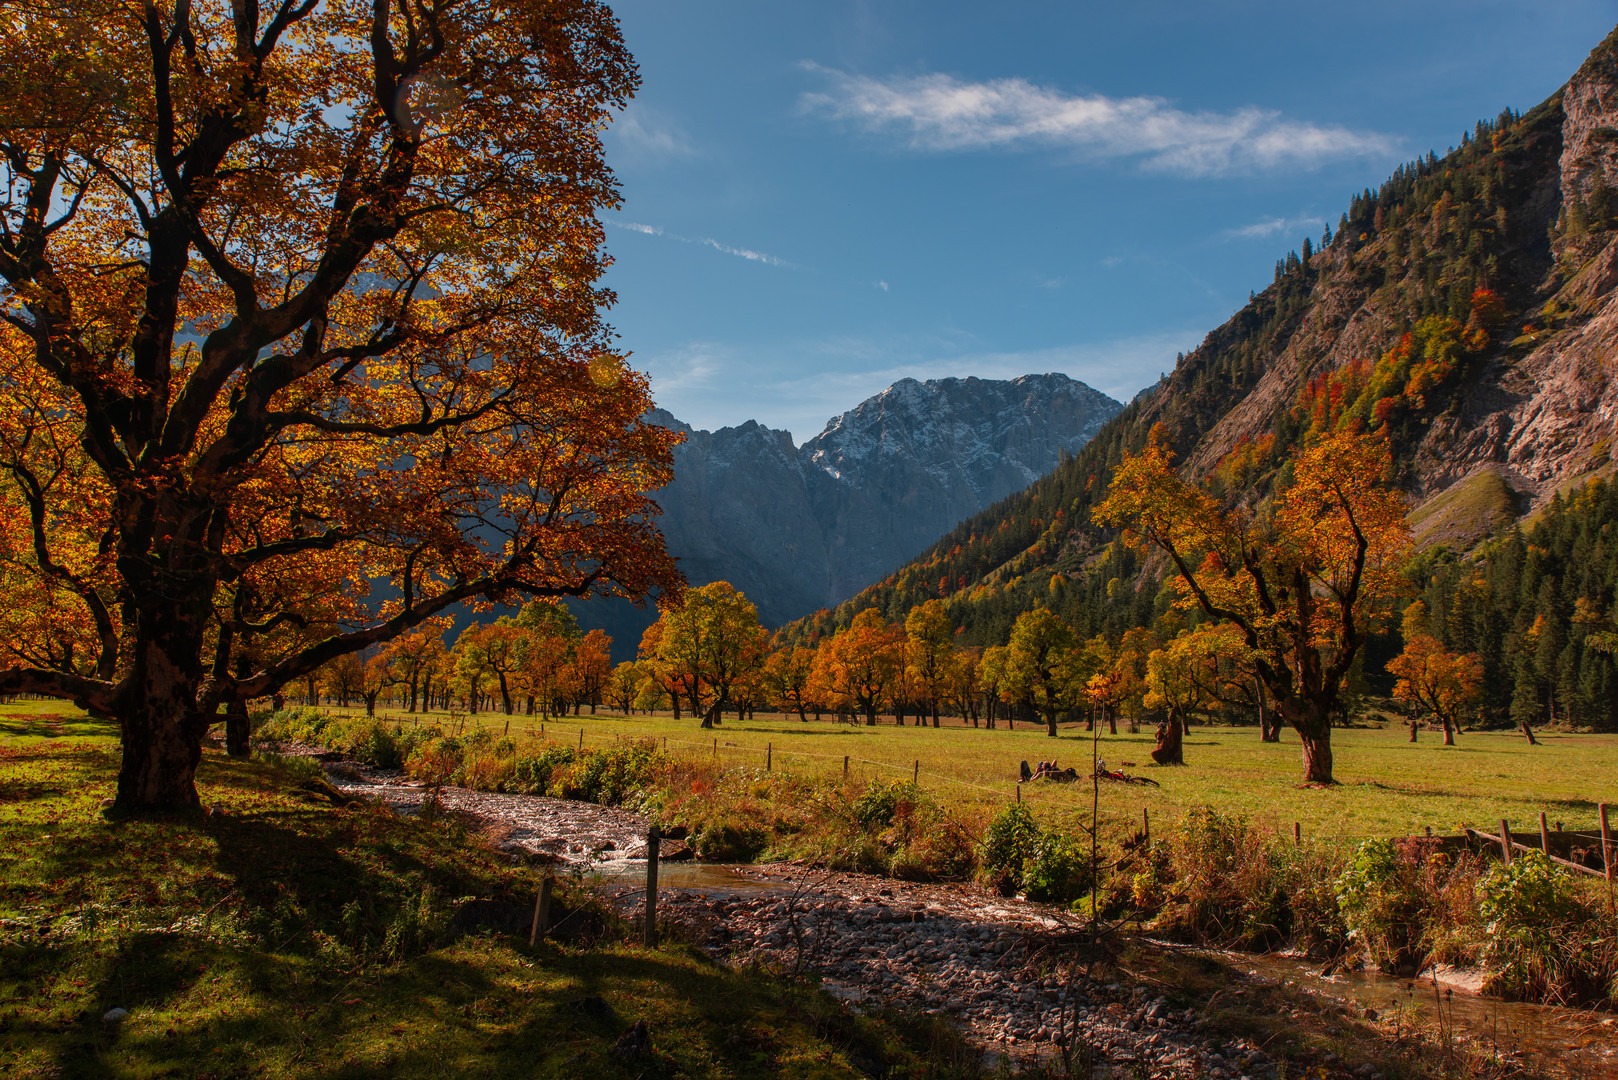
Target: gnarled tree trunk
{"points": [[1170, 749]]}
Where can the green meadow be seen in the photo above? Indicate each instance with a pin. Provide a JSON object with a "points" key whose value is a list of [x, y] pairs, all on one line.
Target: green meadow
{"points": [[1387, 785]]}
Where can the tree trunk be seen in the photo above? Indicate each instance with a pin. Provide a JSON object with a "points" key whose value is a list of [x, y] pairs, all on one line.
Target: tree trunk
{"points": [[1449, 733], [1050, 722], [1170, 749], [1528, 731], [1413, 731], [505, 693], [1112, 721], [1317, 757], [237, 730], [370, 702]]}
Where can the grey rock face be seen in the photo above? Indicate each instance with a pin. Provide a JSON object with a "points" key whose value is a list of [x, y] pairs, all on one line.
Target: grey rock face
{"points": [[800, 528]]}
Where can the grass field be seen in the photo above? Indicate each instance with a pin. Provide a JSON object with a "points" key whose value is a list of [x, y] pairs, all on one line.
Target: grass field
{"points": [[286, 937], [1388, 786]]}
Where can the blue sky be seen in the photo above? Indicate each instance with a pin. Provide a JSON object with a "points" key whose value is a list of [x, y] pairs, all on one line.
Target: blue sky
{"points": [[822, 198]]}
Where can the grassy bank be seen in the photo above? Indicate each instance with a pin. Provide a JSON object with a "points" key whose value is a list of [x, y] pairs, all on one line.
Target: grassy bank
{"points": [[1389, 786], [281, 935]]}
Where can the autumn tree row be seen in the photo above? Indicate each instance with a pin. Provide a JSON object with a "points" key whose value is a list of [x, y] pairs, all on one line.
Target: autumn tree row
{"points": [[538, 661]]}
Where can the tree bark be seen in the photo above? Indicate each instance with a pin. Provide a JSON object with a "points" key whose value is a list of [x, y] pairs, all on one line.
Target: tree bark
{"points": [[1413, 731], [1170, 749], [1317, 757], [1449, 733], [237, 730]]}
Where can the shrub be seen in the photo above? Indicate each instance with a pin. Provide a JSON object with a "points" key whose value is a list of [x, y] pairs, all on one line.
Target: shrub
{"points": [[1007, 844], [435, 760], [294, 724], [878, 803], [1057, 869], [486, 772], [727, 839], [608, 776], [1545, 944], [1232, 884], [1381, 898], [942, 852], [532, 775]]}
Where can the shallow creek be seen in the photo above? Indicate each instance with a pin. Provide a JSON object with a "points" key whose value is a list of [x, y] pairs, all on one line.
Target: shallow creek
{"points": [[1574, 1042], [958, 951]]}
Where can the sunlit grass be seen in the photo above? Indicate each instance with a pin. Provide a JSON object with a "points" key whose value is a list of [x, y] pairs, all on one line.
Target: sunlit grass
{"points": [[253, 942], [1387, 785]]}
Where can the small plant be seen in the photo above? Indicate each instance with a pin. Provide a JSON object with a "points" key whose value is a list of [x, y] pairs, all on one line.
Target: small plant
{"points": [[1057, 870], [1007, 844]]}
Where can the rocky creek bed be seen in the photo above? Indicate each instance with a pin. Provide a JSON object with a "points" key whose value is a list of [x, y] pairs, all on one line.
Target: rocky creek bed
{"points": [[1001, 969]]}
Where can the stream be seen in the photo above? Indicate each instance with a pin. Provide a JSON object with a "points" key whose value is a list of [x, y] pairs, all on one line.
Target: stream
{"points": [[956, 950]]}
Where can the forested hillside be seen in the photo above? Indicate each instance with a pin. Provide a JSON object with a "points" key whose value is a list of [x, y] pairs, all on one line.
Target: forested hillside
{"points": [[1464, 309]]}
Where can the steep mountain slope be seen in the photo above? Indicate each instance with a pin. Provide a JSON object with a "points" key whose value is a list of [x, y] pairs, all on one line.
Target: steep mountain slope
{"points": [[1469, 308], [800, 528]]}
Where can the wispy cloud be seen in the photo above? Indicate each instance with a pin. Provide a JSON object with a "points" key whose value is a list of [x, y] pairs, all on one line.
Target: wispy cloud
{"points": [[1272, 227], [647, 135], [742, 253], [703, 241], [940, 113], [883, 285]]}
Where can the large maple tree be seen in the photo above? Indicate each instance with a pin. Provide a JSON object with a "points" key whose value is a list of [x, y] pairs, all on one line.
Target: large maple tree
{"points": [[301, 343], [1304, 578]]}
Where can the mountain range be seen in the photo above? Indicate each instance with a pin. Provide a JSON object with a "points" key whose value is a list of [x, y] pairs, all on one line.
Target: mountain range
{"points": [[800, 528]]}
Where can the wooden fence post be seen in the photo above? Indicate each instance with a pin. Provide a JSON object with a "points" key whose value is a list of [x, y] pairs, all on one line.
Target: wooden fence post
{"points": [[1297, 834], [845, 766], [1606, 851], [1146, 825], [769, 756], [1505, 841], [1544, 836], [581, 738], [542, 909], [654, 837], [915, 775]]}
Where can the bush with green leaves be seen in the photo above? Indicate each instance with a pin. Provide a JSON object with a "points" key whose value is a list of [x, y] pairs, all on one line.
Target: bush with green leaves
{"points": [[294, 724], [1007, 844], [532, 775], [609, 776], [1057, 869], [878, 803], [1383, 900], [1235, 885], [1542, 940]]}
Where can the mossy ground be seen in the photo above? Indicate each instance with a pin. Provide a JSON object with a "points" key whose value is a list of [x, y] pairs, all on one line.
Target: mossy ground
{"points": [[284, 936]]}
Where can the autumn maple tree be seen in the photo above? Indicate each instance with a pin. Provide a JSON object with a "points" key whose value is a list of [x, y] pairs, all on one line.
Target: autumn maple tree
{"points": [[858, 668], [1304, 579], [301, 332], [1432, 676], [709, 640]]}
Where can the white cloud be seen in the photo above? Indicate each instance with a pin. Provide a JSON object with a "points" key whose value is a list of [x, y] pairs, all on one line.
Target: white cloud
{"points": [[705, 241], [743, 253], [1272, 227], [644, 134], [940, 113], [883, 285]]}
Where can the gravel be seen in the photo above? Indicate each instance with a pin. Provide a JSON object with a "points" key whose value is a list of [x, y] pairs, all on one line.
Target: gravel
{"points": [[943, 949]]}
